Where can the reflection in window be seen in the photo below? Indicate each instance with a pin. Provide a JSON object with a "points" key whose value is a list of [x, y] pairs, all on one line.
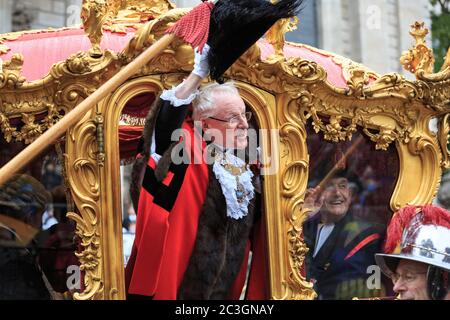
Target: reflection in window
{"points": [[37, 241], [57, 241], [349, 191], [23, 200]]}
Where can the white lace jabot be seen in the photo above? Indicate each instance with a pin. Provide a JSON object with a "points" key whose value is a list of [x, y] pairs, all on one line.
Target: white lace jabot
{"points": [[234, 186], [169, 95]]}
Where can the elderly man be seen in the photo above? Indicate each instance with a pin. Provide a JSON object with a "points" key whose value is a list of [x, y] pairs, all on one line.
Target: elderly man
{"points": [[341, 247], [196, 216], [417, 253]]}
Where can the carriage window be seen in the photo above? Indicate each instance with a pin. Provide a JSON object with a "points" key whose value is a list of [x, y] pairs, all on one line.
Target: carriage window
{"points": [[131, 127], [37, 240], [349, 191], [134, 138]]}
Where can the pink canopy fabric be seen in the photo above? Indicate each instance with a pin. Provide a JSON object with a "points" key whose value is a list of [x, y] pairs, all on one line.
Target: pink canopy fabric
{"points": [[42, 49], [334, 71]]}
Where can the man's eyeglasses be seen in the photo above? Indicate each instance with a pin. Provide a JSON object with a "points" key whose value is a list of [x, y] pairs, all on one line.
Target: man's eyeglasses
{"points": [[407, 277], [236, 119]]}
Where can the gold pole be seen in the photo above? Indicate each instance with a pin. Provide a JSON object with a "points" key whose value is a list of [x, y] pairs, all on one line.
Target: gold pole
{"points": [[56, 131]]}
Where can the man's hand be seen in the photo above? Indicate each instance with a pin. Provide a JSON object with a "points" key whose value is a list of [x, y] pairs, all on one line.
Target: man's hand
{"points": [[313, 200], [201, 65], [200, 71]]}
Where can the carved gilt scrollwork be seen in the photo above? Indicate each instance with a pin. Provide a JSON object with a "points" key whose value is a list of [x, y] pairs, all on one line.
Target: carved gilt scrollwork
{"points": [[343, 120], [177, 57], [78, 63], [30, 129], [294, 176], [11, 73], [131, 13], [446, 64], [66, 85], [420, 57], [276, 35], [433, 89], [444, 135], [359, 79], [82, 169], [420, 160]]}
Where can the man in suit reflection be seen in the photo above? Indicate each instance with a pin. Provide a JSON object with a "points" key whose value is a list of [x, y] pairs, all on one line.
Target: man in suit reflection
{"points": [[341, 247]]}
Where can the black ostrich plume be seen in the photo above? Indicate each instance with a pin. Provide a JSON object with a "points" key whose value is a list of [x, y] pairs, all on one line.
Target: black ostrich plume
{"points": [[236, 25]]}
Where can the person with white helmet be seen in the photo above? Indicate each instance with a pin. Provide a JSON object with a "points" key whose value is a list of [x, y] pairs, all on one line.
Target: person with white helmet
{"points": [[417, 253]]}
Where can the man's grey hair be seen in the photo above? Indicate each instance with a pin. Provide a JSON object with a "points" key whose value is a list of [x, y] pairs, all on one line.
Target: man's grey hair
{"points": [[204, 105]]}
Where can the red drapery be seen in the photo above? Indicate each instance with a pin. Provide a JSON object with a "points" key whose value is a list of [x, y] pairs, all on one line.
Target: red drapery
{"points": [[129, 137]]}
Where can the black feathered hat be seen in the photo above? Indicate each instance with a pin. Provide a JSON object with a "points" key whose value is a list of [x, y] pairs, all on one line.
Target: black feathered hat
{"points": [[230, 27], [236, 25]]}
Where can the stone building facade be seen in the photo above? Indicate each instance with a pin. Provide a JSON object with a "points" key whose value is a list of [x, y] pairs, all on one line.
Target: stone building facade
{"points": [[373, 32], [17, 15]]}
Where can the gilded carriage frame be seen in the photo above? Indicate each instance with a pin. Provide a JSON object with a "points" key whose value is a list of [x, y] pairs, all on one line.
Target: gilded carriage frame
{"points": [[284, 94]]}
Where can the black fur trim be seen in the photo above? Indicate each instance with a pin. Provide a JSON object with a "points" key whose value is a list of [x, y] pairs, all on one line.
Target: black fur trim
{"points": [[164, 164], [137, 172], [219, 248]]}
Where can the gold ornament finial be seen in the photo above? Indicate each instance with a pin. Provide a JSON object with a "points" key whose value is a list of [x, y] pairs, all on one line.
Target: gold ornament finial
{"points": [[418, 59], [419, 32], [93, 15], [276, 34]]}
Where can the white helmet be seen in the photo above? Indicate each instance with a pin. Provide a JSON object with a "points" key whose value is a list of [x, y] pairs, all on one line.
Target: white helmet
{"points": [[419, 233]]}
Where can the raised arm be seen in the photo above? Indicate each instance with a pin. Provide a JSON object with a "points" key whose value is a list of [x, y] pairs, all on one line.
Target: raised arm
{"points": [[175, 103]]}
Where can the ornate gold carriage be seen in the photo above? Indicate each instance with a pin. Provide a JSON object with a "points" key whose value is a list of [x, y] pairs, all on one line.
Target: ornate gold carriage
{"points": [[293, 90]]}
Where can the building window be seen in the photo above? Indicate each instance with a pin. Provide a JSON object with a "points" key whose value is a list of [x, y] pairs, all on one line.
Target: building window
{"points": [[21, 17]]}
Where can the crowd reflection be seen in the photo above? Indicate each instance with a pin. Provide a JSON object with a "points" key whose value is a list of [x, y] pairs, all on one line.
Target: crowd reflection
{"points": [[37, 240], [348, 198]]}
